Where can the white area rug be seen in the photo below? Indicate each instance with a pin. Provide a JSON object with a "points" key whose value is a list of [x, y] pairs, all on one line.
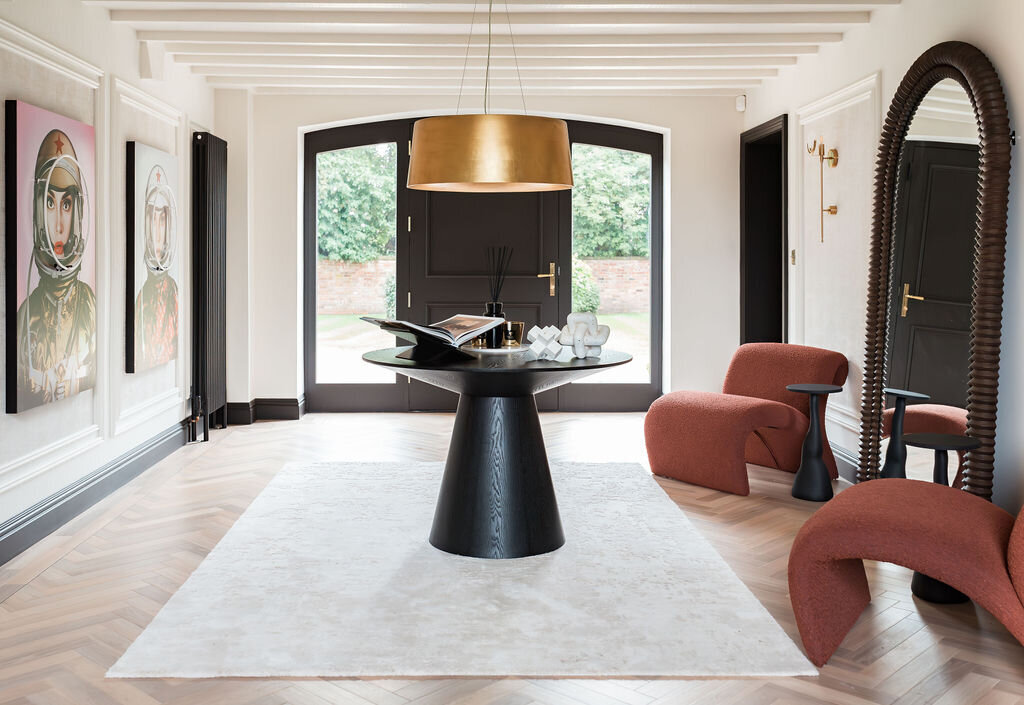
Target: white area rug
{"points": [[329, 573]]}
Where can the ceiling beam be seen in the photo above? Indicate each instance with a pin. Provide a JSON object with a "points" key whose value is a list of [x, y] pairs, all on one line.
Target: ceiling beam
{"points": [[786, 53], [308, 39], [567, 76], [514, 6], [458, 22], [728, 86], [612, 64]]}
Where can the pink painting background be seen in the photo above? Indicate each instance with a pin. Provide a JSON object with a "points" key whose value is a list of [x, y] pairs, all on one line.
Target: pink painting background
{"points": [[33, 125]]}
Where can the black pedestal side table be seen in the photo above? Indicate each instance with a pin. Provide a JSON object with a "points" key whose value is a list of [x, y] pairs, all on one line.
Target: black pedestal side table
{"points": [[497, 499], [813, 481], [895, 464], [925, 587]]}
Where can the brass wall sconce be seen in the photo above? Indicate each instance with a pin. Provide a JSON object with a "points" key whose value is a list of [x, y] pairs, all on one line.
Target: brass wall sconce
{"points": [[817, 148]]}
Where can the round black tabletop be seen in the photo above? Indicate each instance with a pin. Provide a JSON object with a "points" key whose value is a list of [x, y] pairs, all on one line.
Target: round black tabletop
{"points": [[814, 388], [906, 394], [941, 441], [498, 375]]}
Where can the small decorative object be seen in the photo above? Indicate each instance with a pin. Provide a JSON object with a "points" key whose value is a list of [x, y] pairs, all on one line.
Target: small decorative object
{"points": [[544, 342], [513, 334], [584, 335], [498, 260]]}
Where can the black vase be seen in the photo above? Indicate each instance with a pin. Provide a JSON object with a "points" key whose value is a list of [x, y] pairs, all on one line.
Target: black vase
{"points": [[495, 335]]}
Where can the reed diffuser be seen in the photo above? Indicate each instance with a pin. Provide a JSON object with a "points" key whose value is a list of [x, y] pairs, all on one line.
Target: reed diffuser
{"points": [[498, 260]]}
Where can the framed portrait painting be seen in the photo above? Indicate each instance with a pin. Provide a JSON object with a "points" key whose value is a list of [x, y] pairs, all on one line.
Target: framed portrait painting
{"points": [[151, 267], [50, 256]]}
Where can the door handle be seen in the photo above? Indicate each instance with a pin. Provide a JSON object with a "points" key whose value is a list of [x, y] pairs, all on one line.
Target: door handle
{"points": [[906, 297], [551, 278]]}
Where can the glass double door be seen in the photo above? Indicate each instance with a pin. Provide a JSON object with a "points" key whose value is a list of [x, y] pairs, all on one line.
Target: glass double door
{"points": [[374, 247]]}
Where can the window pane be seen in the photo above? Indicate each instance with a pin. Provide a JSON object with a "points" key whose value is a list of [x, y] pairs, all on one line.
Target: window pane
{"points": [[611, 251], [356, 203]]}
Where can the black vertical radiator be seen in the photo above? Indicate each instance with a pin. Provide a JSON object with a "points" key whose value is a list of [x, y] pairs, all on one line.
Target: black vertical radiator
{"points": [[209, 283]]}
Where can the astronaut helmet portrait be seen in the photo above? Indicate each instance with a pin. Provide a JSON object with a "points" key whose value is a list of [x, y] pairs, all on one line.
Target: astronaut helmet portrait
{"points": [[59, 201], [151, 326], [159, 222], [49, 172]]}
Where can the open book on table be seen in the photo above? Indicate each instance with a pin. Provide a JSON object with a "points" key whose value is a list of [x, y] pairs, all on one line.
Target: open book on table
{"points": [[454, 331]]}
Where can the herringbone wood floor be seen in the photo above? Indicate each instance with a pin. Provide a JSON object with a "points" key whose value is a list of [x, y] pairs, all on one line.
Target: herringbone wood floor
{"points": [[72, 604]]}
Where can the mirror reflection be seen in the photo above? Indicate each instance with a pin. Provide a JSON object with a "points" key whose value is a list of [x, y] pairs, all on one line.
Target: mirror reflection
{"points": [[929, 301]]}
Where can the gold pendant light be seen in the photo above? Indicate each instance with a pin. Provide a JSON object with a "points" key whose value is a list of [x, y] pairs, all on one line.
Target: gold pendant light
{"points": [[490, 152]]}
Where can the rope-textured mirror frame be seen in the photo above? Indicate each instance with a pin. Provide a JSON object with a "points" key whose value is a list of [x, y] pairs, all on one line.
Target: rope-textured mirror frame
{"points": [[971, 69]]}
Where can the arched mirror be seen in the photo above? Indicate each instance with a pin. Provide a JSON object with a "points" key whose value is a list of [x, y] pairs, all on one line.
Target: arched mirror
{"points": [[935, 283]]}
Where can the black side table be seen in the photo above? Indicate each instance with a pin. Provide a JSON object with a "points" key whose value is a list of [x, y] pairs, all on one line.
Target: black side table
{"points": [[813, 481], [896, 454], [925, 587]]}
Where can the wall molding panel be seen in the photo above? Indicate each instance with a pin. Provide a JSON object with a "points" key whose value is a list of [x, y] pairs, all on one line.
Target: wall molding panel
{"points": [[123, 415], [147, 409], [848, 119], [48, 457], [29, 46], [41, 519]]}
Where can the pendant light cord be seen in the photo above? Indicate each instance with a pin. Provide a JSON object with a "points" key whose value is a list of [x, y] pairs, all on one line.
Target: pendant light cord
{"points": [[515, 56], [465, 63], [487, 71]]}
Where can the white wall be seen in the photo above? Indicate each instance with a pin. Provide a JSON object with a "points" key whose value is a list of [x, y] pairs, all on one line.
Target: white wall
{"points": [[234, 123], [70, 59], [702, 225], [895, 37]]}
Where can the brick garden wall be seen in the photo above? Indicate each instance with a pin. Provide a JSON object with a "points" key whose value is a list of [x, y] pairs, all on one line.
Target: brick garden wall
{"points": [[352, 287], [358, 288], [624, 283]]}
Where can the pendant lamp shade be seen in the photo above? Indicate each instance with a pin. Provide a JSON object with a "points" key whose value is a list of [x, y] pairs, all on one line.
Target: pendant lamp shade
{"points": [[490, 153]]}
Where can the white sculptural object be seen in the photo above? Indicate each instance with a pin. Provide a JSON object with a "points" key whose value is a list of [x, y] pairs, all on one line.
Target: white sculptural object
{"points": [[544, 342], [584, 335]]}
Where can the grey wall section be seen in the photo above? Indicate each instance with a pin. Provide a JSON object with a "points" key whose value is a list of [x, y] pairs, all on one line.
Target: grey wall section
{"points": [[40, 520]]}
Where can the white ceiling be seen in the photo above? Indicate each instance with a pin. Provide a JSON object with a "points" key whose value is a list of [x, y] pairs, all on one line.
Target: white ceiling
{"points": [[585, 47]]}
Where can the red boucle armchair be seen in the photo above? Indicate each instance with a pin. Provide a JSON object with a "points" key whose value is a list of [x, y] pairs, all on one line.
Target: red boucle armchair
{"points": [[706, 438], [945, 533], [932, 418]]}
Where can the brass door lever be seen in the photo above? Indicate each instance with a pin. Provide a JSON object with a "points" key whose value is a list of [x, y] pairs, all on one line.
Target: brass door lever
{"points": [[906, 297], [551, 280]]}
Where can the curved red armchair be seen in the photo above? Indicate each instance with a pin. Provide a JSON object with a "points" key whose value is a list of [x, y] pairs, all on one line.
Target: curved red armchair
{"points": [[932, 418], [706, 439], [918, 525]]}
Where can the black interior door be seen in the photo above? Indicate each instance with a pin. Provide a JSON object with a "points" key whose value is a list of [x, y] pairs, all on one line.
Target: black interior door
{"points": [[934, 260], [449, 236], [763, 232]]}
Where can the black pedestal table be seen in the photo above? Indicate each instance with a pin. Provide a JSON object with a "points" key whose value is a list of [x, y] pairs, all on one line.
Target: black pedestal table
{"points": [[925, 586], [496, 498], [896, 454], [813, 481]]}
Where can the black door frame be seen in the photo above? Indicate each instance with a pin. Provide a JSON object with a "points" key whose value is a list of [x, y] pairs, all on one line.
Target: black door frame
{"points": [[388, 397], [350, 396], [620, 397], [775, 126]]}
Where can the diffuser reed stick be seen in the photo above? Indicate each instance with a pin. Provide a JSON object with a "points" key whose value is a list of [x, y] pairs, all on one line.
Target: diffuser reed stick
{"points": [[498, 260]]}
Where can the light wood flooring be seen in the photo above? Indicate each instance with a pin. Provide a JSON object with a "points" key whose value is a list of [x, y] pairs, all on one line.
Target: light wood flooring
{"points": [[73, 603]]}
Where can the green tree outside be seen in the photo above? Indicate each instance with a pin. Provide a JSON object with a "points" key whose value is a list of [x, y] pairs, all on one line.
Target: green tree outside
{"points": [[611, 199], [356, 202]]}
